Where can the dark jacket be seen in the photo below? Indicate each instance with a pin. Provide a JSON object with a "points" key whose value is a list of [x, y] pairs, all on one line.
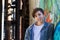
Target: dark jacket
{"points": [[46, 32]]}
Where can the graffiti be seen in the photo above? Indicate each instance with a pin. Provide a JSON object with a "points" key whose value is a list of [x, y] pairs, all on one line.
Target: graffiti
{"points": [[57, 32], [51, 10]]}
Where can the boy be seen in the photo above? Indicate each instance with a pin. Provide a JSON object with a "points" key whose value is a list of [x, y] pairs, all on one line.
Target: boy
{"points": [[40, 30]]}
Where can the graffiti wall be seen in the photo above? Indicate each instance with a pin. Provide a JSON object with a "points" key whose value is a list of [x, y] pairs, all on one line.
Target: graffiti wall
{"points": [[51, 10]]}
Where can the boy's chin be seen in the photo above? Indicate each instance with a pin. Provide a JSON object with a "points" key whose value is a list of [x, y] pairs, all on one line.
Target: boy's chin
{"points": [[39, 20]]}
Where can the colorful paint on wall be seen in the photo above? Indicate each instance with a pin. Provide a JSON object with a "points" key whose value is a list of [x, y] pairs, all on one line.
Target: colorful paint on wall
{"points": [[51, 10], [57, 32]]}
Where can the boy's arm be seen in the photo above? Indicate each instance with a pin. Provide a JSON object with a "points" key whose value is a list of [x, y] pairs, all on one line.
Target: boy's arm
{"points": [[26, 35], [51, 31]]}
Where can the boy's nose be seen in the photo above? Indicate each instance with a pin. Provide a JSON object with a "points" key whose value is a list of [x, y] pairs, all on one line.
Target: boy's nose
{"points": [[39, 16]]}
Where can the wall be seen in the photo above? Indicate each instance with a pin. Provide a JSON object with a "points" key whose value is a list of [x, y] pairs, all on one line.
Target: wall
{"points": [[51, 9], [32, 5]]}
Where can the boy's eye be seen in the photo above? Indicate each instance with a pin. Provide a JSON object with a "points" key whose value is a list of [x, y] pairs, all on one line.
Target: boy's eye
{"points": [[39, 14], [35, 15]]}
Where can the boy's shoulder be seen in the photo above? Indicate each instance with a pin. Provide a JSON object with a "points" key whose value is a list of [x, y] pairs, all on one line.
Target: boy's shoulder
{"points": [[47, 24], [30, 27]]}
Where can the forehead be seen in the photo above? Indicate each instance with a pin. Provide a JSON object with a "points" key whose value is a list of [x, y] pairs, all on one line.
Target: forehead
{"points": [[38, 12]]}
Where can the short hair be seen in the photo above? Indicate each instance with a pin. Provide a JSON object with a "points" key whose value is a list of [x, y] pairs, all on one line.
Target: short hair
{"points": [[37, 9]]}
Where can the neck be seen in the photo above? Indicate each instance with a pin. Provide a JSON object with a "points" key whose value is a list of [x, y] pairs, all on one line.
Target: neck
{"points": [[39, 23]]}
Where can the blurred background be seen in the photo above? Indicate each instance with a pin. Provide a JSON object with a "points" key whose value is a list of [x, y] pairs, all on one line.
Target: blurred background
{"points": [[16, 16]]}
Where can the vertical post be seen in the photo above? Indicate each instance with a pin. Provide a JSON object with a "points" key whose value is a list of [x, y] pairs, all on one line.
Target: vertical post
{"points": [[20, 27], [0, 17], [2, 32], [17, 20]]}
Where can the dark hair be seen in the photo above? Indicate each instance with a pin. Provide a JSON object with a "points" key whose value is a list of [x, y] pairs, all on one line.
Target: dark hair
{"points": [[37, 9]]}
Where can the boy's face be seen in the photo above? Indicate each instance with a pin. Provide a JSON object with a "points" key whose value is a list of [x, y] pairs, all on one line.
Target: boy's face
{"points": [[39, 16]]}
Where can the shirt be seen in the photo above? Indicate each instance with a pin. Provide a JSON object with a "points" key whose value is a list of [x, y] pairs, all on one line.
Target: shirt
{"points": [[36, 30]]}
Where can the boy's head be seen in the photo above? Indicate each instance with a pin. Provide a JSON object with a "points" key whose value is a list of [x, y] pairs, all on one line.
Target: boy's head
{"points": [[38, 14]]}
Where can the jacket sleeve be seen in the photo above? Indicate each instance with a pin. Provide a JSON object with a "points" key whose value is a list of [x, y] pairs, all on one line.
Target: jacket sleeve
{"points": [[51, 32], [26, 35]]}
